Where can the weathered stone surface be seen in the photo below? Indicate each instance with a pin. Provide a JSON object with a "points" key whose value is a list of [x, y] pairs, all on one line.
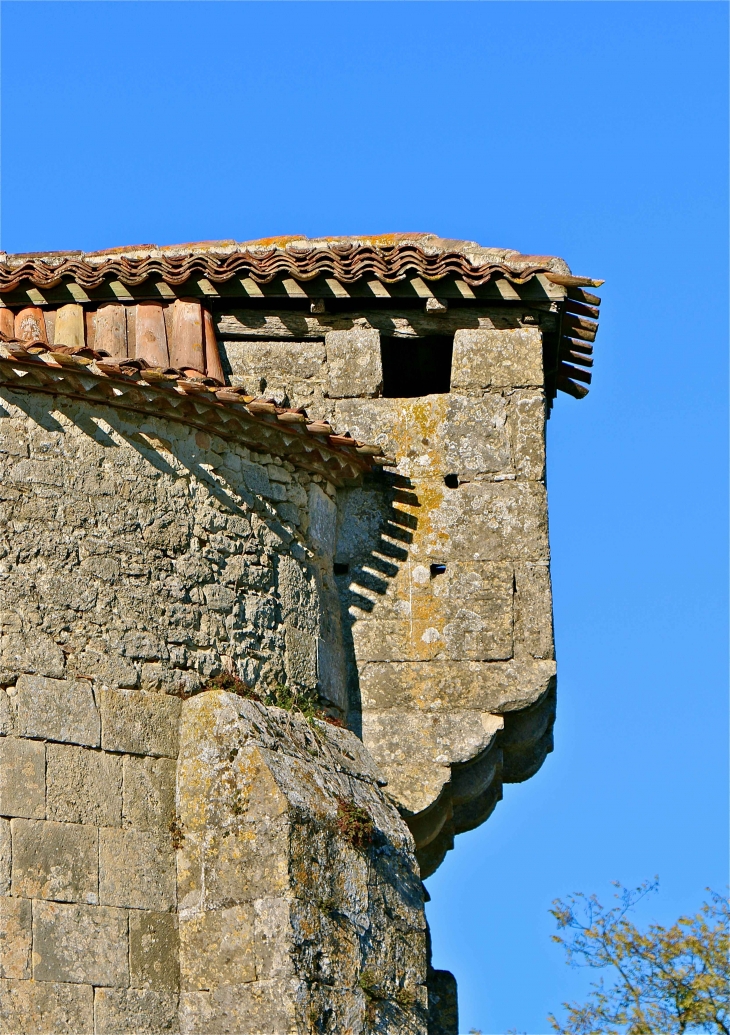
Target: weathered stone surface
{"points": [[87, 944], [494, 687], [495, 359], [15, 938], [46, 1008], [57, 709], [436, 435], [279, 363], [217, 948], [5, 856], [142, 1011], [534, 610], [322, 530], [276, 888], [140, 723], [149, 793], [258, 1008], [485, 521], [8, 725], [136, 869], [22, 778], [443, 1008], [153, 950], [527, 417], [57, 861], [354, 362], [301, 656], [84, 786], [463, 613], [416, 749]]}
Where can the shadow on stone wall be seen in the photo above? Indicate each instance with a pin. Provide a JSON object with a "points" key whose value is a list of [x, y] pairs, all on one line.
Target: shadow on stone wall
{"points": [[373, 537]]}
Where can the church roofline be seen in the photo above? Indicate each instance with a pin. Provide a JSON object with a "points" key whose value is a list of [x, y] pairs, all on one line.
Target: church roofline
{"points": [[387, 257]]}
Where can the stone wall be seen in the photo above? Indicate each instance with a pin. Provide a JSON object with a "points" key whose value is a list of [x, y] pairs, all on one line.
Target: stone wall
{"points": [[442, 564], [139, 554]]}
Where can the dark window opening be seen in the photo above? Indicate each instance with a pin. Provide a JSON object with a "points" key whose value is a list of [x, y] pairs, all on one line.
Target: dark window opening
{"points": [[341, 569], [452, 481], [416, 366], [437, 569]]}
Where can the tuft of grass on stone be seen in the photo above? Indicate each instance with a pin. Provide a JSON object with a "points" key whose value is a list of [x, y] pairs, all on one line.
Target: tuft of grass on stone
{"points": [[356, 824], [234, 685]]}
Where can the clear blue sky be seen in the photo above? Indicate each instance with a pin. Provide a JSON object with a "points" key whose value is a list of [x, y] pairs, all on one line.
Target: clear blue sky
{"points": [[595, 131]]}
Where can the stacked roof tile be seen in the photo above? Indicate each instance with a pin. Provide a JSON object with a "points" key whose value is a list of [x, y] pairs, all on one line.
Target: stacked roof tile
{"points": [[388, 257]]}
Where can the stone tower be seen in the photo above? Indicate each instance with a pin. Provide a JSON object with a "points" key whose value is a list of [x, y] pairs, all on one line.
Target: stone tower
{"points": [[275, 618]]}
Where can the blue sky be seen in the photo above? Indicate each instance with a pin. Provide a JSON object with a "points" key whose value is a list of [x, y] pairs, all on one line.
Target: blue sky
{"points": [[595, 131]]}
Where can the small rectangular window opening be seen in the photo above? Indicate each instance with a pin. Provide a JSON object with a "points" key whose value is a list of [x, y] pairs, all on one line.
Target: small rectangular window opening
{"points": [[414, 367]]}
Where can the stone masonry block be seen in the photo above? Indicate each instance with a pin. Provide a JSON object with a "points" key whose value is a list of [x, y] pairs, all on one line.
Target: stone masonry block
{"points": [[80, 943], [259, 1006], [280, 363], [22, 778], [57, 709], [5, 856], [488, 521], [46, 1008], [301, 656], [464, 613], [322, 521], [437, 435], [83, 786], [527, 424], [15, 938], [7, 715], [496, 359], [139, 723], [57, 861], [153, 950], [142, 1011], [149, 793], [485, 686], [217, 948], [136, 869], [355, 366], [534, 610]]}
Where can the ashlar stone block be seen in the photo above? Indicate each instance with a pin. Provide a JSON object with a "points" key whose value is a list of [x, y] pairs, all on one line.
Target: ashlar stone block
{"points": [[149, 793], [464, 612], [56, 861], [15, 938], [22, 778], [85, 944], [136, 869], [217, 948], [260, 1007], [301, 656], [83, 786], [46, 1008], [153, 950], [140, 723], [355, 366], [496, 359], [143, 1011], [5, 856]]}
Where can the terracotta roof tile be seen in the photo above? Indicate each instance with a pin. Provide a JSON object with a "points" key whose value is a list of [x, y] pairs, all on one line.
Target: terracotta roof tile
{"points": [[388, 257]]}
